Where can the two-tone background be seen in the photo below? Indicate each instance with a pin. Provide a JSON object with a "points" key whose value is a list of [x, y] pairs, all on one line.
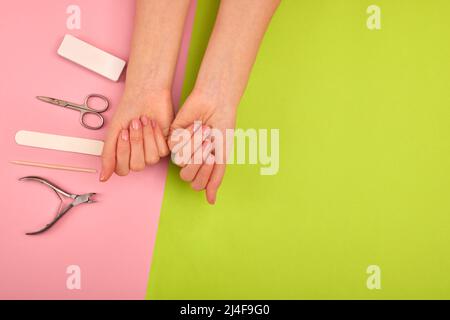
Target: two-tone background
{"points": [[364, 175]]}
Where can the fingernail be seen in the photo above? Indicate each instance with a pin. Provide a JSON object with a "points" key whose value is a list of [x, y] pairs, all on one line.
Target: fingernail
{"points": [[153, 123], [207, 146], [197, 125], [124, 135], [206, 132], [213, 200], [177, 133], [144, 120], [135, 124], [102, 176], [210, 159]]}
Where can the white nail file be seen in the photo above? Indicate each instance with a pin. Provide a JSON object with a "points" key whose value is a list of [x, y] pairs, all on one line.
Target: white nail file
{"points": [[91, 57], [57, 142]]}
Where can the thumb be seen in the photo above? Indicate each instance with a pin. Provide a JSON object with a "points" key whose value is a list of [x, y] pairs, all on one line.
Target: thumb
{"points": [[109, 154], [186, 119]]}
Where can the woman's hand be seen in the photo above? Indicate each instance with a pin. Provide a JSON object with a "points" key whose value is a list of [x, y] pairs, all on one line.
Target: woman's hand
{"points": [[141, 123], [202, 157], [137, 134], [223, 76]]}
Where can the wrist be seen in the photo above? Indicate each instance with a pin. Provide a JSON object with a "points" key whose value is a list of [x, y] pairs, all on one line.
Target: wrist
{"points": [[147, 76], [138, 97], [146, 91], [223, 83], [221, 91], [213, 97], [143, 85]]}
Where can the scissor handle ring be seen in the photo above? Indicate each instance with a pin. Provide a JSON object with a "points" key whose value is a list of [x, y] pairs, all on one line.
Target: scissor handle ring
{"points": [[95, 113], [103, 107]]}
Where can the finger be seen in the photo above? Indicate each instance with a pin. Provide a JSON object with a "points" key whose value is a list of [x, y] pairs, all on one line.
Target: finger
{"points": [[185, 151], [150, 148], [137, 157], [109, 154], [214, 182], [185, 117], [175, 140], [203, 174], [189, 172], [163, 149], [123, 153]]}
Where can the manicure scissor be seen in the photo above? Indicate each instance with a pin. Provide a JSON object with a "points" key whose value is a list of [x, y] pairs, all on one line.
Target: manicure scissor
{"points": [[84, 108], [77, 199]]}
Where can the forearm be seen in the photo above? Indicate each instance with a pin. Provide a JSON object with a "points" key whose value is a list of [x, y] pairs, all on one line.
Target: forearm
{"points": [[155, 44], [232, 48]]}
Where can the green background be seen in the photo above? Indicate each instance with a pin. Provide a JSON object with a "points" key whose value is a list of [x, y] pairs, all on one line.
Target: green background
{"points": [[364, 163]]}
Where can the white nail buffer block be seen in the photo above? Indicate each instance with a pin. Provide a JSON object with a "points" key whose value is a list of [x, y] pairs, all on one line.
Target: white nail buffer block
{"points": [[57, 142], [91, 57]]}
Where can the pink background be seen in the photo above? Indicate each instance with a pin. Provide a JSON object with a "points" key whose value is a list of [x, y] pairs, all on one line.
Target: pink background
{"points": [[112, 240]]}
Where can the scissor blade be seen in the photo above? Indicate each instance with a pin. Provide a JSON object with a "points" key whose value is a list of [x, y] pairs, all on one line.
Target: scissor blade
{"points": [[52, 100]]}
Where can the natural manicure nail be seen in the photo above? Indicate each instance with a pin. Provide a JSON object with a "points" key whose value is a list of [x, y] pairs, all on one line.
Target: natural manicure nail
{"points": [[124, 135], [144, 120], [210, 159], [135, 124], [206, 132], [197, 125]]}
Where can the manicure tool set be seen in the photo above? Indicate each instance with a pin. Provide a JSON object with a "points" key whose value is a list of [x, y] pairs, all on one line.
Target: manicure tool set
{"points": [[96, 60]]}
